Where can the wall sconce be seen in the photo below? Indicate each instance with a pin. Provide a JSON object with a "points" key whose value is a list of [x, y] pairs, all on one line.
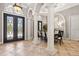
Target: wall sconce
{"points": [[17, 7]]}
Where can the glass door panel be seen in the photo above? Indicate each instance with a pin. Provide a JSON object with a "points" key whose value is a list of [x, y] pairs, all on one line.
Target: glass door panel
{"points": [[13, 28], [9, 28], [20, 28]]}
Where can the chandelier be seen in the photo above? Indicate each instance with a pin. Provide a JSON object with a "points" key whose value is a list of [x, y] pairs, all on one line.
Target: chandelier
{"points": [[17, 7]]}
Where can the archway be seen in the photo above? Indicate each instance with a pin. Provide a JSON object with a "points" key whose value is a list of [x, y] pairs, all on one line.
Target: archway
{"points": [[60, 22]]}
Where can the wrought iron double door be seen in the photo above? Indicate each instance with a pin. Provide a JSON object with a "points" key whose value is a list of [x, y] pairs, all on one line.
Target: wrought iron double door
{"points": [[13, 28]]}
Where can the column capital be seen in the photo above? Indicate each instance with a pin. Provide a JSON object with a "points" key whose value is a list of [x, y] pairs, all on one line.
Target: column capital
{"points": [[51, 5]]}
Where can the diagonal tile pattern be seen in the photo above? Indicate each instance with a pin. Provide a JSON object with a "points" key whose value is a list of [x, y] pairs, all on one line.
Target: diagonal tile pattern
{"points": [[23, 48], [27, 48], [69, 48]]}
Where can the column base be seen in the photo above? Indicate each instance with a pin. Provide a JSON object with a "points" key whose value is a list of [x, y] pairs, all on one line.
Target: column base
{"points": [[52, 52], [36, 41]]}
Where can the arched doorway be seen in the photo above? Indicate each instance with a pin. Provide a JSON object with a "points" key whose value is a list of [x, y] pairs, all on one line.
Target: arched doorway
{"points": [[60, 22]]}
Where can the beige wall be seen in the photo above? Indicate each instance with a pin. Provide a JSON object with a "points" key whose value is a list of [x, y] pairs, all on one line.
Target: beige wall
{"points": [[0, 26], [72, 28], [1, 9]]}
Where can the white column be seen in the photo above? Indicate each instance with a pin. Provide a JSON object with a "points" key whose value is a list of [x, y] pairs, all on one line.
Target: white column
{"points": [[50, 33], [29, 29], [35, 40]]}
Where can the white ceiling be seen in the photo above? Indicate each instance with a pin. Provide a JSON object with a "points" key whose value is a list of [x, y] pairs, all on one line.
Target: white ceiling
{"points": [[42, 7], [67, 8], [71, 11]]}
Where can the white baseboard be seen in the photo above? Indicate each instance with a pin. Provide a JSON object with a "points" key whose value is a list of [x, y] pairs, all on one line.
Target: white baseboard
{"points": [[71, 39], [75, 39], [66, 38]]}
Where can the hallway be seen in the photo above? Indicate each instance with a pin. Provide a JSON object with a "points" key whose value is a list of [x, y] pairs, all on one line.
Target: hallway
{"points": [[27, 48]]}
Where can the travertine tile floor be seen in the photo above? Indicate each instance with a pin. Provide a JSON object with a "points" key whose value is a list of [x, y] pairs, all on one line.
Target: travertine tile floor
{"points": [[23, 48], [69, 48], [27, 48]]}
